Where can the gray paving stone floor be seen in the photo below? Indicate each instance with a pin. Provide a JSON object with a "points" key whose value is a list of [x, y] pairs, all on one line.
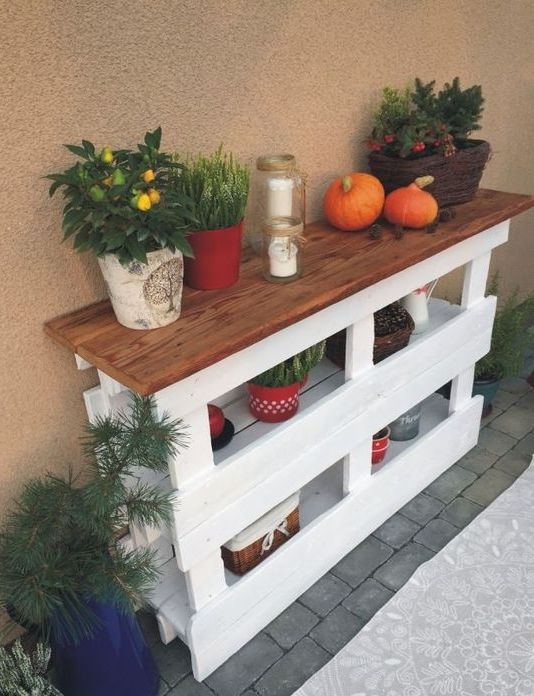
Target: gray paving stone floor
{"points": [[307, 634]]}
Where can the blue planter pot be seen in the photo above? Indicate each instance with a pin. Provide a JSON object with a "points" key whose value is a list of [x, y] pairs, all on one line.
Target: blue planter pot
{"points": [[115, 661], [486, 388]]}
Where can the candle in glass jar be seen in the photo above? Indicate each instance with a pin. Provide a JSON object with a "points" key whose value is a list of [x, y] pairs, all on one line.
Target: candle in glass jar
{"points": [[282, 257], [279, 197]]}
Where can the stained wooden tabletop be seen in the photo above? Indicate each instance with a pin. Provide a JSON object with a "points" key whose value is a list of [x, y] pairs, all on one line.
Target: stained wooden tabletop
{"points": [[218, 323]]}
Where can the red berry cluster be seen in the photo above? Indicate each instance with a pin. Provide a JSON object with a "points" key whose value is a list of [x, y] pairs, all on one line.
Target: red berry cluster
{"points": [[418, 146]]}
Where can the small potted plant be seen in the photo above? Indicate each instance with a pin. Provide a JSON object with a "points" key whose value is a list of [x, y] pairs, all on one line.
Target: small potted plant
{"points": [[123, 206], [218, 187], [63, 572], [25, 675], [420, 133], [274, 394], [509, 340]]}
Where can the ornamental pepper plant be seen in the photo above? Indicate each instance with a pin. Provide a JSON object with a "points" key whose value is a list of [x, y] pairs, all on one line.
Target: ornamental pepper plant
{"points": [[417, 123], [124, 202]]}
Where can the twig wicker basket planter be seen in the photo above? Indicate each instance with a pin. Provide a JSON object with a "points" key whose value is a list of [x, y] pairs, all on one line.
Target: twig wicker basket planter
{"points": [[456, 178], [384, 346], [255, 543]]}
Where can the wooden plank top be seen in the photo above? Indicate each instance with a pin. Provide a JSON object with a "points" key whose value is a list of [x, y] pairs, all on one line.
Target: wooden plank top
{"points": [[215, 324]]}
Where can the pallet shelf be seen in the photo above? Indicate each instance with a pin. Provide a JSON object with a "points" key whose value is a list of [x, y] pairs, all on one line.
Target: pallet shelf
{"points": [[325, 450]]}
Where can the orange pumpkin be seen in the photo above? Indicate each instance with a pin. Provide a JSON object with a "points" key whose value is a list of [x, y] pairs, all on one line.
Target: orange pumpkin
{"points": [[410, 206], [354, 201]]}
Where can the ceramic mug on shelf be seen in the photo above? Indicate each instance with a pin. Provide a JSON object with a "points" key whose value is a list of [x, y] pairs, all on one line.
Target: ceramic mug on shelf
{"points": [[416, 304]]}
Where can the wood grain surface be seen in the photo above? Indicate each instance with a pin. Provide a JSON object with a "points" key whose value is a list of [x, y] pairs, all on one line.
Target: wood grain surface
{"points": [[218, 323]]}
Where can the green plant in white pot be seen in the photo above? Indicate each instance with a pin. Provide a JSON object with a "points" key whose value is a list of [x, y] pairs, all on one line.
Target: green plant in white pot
{"points": [[124, 206], [218, 186], [509, 340]]}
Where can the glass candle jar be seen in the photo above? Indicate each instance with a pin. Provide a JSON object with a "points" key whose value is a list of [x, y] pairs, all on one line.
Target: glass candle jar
{"points": [[277, 191], [282, 240]]}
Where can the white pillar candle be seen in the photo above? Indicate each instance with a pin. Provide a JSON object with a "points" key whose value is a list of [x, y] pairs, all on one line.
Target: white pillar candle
{"points": [[282, 257], [279, 197]]}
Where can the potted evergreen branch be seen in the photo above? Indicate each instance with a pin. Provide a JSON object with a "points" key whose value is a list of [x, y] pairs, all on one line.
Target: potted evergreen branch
{"points": [[274, 394], [25, 675], [509, 340], [218, 186], [124, 206], [420, 133], [64, 574]]}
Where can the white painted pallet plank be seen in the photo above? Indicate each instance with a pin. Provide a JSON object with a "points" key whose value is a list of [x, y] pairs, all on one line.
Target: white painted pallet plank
{"points": [[256, 462], [194, 461], [205, 580], [475, 279], [461, 388], [236, 616], [230, 518], [359, 348], [210, 383]]}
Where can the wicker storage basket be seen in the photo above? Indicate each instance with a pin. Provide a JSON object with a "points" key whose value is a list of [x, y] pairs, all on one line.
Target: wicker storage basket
{"points": [[384, 346], [456, 177], [248, 548]]}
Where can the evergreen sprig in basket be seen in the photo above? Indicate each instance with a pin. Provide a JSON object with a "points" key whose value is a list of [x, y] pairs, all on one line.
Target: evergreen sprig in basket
{"points": [[421, 133], [393, 328]]}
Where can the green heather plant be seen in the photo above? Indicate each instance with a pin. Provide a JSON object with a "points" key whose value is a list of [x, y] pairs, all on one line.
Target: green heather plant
{"points": [[25, 675], [218, 186], [509, 338], [411, 124], [60, 543], [291, 370], [124, 202]]}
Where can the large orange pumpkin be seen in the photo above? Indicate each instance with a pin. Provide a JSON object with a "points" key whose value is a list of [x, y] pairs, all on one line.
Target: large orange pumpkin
{"points": [[354, 201], [410, 206]]}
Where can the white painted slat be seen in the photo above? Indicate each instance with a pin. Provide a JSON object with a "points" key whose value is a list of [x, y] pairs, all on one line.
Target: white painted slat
{"points": [[195, 461], [289, 473], [475, 279], [462, 388], [369, 393], [205, 580], [359, 349], [169, 599], [208, 384], [81, 364], [232, 619]]}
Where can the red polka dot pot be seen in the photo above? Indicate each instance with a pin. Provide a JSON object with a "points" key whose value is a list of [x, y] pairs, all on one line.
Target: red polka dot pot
{"points": [[380, 446], [273, 404]]}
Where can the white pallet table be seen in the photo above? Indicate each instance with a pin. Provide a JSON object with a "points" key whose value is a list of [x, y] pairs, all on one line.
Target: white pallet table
{"points": [[325, 450]]}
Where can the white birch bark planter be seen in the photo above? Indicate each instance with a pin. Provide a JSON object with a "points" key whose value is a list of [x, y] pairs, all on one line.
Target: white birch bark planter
{"points": [[145, 295]]}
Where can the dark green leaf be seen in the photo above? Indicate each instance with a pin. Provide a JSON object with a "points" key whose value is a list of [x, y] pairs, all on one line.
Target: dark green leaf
{"points": [[89, 148], [77, 150]]}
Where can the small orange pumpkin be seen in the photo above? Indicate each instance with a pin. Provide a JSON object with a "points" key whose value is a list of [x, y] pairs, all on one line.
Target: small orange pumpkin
{"points": [[410, 206], [354, 201]]}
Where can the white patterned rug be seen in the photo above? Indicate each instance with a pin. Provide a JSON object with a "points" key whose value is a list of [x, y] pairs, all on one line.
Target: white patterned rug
{"points": [[463, 624]]}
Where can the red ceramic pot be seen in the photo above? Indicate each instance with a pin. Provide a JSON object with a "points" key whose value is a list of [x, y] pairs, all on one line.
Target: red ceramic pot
{"points": [[380, 446], [217, 258], [273, 404]]}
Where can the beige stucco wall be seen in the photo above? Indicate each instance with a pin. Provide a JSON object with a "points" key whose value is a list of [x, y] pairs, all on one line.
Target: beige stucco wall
{"points": [[297, 75]]}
